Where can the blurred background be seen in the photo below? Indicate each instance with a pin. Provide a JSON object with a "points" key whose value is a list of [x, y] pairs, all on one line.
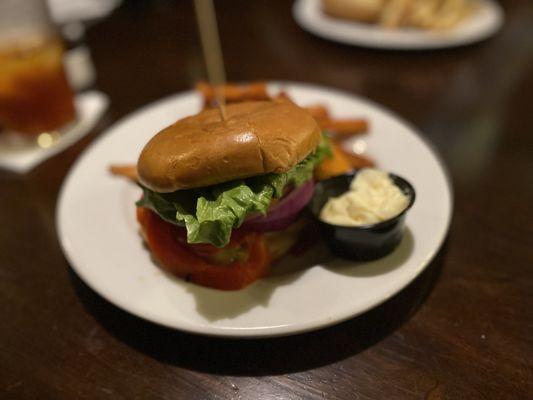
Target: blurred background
{"points": [[472, 103]]}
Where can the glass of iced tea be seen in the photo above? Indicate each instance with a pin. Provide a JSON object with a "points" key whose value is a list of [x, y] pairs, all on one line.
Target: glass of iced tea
{"points": [[35, 97]]}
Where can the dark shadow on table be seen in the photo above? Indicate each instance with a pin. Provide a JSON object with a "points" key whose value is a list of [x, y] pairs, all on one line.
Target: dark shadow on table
{"points": [[256, 357]]}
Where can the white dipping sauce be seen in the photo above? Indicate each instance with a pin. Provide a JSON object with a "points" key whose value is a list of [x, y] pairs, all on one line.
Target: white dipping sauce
{"points": [[373, 197]]}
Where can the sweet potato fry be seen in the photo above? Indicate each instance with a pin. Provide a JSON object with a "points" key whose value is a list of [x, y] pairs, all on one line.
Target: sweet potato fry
{"points": [[127, 171], [336, 165], [344, 127], [319, 112], [234, 92]]}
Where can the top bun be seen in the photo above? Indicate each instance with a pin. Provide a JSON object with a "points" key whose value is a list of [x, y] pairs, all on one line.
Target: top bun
{"points": [[258, 137], [360, 10]]}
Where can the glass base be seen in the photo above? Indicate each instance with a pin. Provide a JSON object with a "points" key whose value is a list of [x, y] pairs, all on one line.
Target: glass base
{"points": [[12, 141]]}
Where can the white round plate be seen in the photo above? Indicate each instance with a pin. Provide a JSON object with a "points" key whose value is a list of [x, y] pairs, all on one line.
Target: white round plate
{"points": [[99, 235], [485, 22]]}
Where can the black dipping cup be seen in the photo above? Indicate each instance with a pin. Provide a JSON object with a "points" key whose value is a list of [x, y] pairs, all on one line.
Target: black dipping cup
{"points": [[365, 242]]}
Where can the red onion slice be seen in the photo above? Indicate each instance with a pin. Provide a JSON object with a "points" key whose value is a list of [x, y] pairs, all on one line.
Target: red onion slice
{"points": [[283, 213]]}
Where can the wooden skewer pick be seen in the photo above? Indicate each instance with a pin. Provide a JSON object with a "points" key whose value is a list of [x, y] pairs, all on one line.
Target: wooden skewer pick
{"points": [[207, 25]]}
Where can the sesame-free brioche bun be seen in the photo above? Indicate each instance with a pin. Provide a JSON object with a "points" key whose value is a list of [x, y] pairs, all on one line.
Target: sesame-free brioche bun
{"points": [[359, 10], [258, 137]]}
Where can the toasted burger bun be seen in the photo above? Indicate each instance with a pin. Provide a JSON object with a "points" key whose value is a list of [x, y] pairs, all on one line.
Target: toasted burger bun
{"points": [[360, 10], [257, 138]]}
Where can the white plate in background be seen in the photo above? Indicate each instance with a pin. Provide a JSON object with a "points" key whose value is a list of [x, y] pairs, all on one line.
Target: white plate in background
{"points": [[482, 24], [99, 234]]}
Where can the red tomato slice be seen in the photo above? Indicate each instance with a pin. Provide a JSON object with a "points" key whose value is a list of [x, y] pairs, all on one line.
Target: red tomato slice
{"points": [[179, 259], [238, 274]]}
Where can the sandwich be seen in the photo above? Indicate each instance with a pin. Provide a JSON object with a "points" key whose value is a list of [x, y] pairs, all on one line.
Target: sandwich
{"points": [[224, 198]]}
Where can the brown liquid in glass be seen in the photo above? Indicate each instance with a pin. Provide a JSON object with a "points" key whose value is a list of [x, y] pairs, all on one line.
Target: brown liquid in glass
{"points": [[35, 96]]}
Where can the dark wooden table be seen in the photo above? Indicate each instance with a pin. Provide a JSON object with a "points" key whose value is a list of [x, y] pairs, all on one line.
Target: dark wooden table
{"points": [[462, 330]]}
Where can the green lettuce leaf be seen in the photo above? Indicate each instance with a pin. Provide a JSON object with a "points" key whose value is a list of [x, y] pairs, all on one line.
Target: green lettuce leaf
{"points": [[209, 214]]}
